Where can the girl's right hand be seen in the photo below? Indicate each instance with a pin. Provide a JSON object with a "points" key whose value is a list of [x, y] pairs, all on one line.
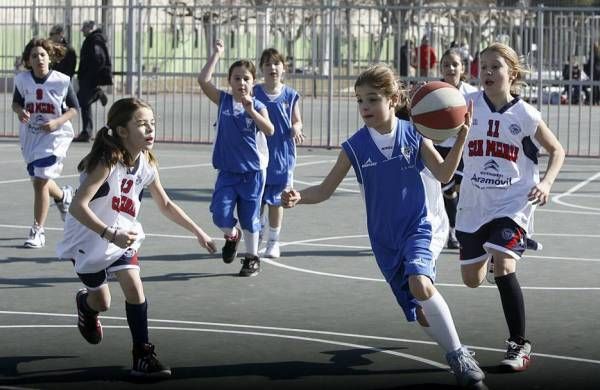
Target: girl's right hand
{"points": [[219, 46], [24, 116]]}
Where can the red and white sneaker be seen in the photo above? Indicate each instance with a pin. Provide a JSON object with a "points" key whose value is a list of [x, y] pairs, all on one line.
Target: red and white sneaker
{"points": [[89, 325], [518, 356]]}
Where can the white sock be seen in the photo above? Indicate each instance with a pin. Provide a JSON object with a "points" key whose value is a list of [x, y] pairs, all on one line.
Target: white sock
{"points": [[274, 233], [229, 231], [441, 326], [251, 242]]}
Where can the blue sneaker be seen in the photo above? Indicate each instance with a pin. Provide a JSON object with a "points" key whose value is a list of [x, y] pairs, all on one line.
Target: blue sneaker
{"points": [[465, 367]]}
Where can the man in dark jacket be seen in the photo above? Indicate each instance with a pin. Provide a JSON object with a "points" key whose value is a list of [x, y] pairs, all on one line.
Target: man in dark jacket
{"points": [[95, 69], [68, 63]]}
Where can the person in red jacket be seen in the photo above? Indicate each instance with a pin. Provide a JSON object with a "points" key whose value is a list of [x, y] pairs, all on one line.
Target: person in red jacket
{"points": [[424, 59]]}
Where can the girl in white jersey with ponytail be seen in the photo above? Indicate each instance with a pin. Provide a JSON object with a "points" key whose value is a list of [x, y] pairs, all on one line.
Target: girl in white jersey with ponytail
{"points": [[398, 171], [102, 235], [501, 188], [45, 103]]}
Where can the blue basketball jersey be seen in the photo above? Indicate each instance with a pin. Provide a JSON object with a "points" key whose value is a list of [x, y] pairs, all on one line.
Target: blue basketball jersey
{"points": [[282, 149], [395, 197], [239, 146]]}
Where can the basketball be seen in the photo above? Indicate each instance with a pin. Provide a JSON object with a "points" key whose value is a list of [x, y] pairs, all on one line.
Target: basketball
{"points": [[438, 110]]}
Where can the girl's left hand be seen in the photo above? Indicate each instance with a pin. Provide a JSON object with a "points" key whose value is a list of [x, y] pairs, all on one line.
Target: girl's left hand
{"points": [[539, 194]]}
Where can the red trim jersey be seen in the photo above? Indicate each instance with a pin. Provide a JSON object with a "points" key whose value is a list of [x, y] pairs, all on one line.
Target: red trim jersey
{"points": [[117, 203], [500, 164]]}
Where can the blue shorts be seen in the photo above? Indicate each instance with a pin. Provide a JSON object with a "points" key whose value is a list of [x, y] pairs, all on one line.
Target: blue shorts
{"points": [[238, 190], [94, 280], [413, 259], [272, 194], [501, 234]]}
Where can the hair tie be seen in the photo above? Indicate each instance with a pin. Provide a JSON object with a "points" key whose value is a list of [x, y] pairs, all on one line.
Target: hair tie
{"points": [[108, 130]]}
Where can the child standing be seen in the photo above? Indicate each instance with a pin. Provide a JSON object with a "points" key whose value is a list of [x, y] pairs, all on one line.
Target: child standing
{"points": [[45, 103], [502, 188], [282, 104], [102, 234], [241, 157], [407, 226], [454, 72]]}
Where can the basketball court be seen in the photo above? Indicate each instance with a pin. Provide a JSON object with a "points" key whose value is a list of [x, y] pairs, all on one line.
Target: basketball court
{"points": [[319, 317]]}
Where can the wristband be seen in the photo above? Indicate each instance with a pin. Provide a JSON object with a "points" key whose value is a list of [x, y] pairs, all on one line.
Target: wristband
{"points": [[104, 232]]}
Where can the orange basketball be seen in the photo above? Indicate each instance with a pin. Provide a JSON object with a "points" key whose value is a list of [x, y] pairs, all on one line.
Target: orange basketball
{"points": [[438, 110]]}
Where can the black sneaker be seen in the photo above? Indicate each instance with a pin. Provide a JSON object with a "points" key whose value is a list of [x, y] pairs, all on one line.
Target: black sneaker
{"points": [[250, 266], [229, 250], [82, 137], [89, 325], [145, 363]]}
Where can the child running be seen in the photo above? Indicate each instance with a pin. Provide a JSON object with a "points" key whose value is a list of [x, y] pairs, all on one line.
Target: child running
{"points": [[241, 157], [405, 218], [45, 103], [454, 72], [282, 104], [102, 235], [501, 188]]}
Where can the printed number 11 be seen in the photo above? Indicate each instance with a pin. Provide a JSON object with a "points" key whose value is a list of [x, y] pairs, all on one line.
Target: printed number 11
{"points": [[493, 127]]}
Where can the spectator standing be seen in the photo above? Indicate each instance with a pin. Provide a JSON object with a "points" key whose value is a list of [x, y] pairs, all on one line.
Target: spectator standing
{"points": [[424, 59], [69, 62], [95, 70], [406, 58]]}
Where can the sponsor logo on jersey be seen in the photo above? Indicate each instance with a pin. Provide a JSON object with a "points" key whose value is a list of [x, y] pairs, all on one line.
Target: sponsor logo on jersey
{"points": [[490, 177], [491, 165], [368, 163], [226, 112]]}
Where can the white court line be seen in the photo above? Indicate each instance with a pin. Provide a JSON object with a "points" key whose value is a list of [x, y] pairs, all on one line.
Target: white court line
{"points": [[341, 189], [304, 164], [575, 188], [239, 332], [291, 330]]}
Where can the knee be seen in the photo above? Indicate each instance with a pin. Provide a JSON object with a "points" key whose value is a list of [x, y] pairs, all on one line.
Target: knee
{"points": [[421, 287], [471, 280], [101, 304]]}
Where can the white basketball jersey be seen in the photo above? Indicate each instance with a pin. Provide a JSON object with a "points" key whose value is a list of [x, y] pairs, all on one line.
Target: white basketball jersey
{"points": [[44, 102], [500, 164], [117, 203], [465, 89]]}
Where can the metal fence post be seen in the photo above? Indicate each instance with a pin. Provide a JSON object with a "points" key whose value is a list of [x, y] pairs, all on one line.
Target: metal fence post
{"points": [[131, 28], [330, 18], [540, 49]]}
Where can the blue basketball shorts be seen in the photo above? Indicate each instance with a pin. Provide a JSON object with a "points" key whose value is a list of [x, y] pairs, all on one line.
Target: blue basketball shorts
{"points": [[241, 191]]}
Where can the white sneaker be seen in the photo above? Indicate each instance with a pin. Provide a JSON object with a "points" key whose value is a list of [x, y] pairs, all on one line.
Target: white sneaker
{"points": [[63, 205], [272, 250], [518, 356], [36, 238]]}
